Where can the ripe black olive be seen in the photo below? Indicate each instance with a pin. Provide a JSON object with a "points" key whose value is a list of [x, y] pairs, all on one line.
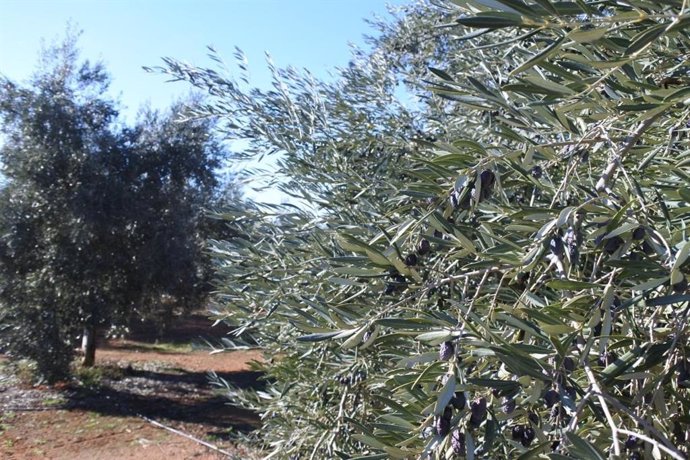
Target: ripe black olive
{"points": [[683, 378], [612, 244], [551, 397], [423, 247], [478, 412], [446, 351], [411, 259], [517, 432], [457, 442], [487, 179], [638, 233], [568, 364], [536, 172], [459, 400], [556, 246], [442, 422], [527, 436]]}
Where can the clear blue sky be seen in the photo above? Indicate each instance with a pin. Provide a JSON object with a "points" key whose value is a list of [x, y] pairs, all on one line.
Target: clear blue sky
{"points": [[129, 34]]}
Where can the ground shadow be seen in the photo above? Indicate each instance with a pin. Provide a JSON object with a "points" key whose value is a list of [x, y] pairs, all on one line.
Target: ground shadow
{"points": [[185, 328], [215, 412], [244, 379]]}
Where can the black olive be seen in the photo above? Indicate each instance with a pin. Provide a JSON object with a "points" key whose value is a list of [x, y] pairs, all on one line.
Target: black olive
{"points": [[571, 392], [459, 401], [517, 432], [446, 351], [612, 244], [683, 378], [454, 199], [457, 442], [568, 364], [423, 247], [521, 280], [630, 442], [442, 426], [638, 233], [534, 418], [556, 412], [442, 422], [556, 246], [647, 248], [551, 397], [478, 412], [487, 179], [411, 259], [466, 201], [528, 436], [536, 172]]}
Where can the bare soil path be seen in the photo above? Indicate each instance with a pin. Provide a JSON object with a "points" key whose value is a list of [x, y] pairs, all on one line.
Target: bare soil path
{"points": [[135, 379]]}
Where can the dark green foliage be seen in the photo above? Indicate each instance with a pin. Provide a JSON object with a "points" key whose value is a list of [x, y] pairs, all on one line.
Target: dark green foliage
{"points": [[98, 222], [51, 129], [548, 134]]}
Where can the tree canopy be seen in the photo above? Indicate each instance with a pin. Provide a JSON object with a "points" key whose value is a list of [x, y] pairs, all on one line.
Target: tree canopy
{"points": [[499, 270], [98, 220]]}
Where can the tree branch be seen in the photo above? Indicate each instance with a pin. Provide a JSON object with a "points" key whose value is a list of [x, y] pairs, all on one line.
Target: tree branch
{"points": [[607, 174]]}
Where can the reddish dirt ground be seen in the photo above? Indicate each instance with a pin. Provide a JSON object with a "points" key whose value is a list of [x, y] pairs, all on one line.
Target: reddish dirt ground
{"points": [[137, 380]]}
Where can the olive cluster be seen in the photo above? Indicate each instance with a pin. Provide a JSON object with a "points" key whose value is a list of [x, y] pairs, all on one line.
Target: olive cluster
{"points": [[349, 379], [478, 412], [524, 434], [423, 248]]}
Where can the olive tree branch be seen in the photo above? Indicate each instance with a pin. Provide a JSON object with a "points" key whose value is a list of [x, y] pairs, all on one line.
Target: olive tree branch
{"points": [[594, 385], [603, 183]]}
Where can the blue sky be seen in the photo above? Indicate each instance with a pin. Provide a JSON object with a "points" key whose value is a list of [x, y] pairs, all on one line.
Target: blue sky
{"points": [[129, 34]]}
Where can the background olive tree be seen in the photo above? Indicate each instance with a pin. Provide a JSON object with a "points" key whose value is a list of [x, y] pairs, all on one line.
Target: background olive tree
{"points": [[98, 221], [499, 270]]}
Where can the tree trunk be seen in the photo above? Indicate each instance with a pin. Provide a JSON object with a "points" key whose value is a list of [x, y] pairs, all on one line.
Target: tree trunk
{"points": [[88, 345]]}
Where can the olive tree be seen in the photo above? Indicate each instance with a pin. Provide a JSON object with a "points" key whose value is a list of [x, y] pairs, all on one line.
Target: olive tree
{"points": [[500, 270], [98, 221]]}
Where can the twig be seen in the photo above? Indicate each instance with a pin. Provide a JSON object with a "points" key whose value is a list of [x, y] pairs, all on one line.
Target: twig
{"points": [[581, 405], [602, 184], [640, 420], [673, 453], [599, 394], [185, 435]]}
